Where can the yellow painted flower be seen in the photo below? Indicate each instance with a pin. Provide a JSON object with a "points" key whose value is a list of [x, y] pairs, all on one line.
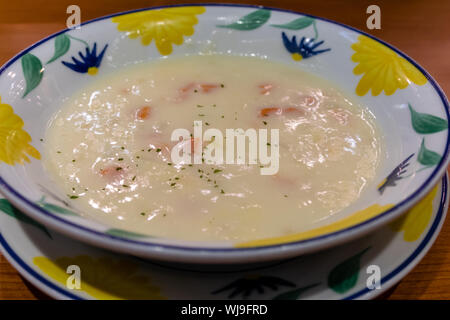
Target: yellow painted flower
{"points": [[382, 68], [14, 141], [166, 26], [353, 219], [102, 277], [416, 220]]}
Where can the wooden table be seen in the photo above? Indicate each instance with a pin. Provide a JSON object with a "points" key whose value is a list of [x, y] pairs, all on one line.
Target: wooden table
{"points": [[419, 28]]}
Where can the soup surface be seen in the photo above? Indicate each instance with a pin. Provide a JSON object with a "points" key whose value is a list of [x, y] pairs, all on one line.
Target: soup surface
{"points": [[109, 148]]}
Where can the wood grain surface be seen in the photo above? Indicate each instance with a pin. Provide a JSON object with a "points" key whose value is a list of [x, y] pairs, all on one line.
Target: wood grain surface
{"points": [[417, 27]]}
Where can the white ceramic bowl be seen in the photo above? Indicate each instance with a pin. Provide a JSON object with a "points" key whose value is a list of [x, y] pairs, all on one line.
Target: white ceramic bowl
{"points": [[409, 106]]}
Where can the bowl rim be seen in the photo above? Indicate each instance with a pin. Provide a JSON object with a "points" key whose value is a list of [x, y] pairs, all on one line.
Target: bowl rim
{"points": [[388, 280], [102, 239]]}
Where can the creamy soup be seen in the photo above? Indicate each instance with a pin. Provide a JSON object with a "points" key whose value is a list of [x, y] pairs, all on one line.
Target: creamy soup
{"points": [[109, 148]]}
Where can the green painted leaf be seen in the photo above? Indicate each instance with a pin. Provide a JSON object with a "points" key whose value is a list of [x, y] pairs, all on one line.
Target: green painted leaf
{"points": [[56, 209], [251, 21], [296, 24], [293, 294], [7, 208], [125, 234], [62, 45], [32, 71], [425, 123], [427, 157], [344, 276]]}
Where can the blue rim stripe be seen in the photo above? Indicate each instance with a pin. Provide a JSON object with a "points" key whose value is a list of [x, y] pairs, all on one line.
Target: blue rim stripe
{"points": [[405, 202], [33, 273], [358, 294]]}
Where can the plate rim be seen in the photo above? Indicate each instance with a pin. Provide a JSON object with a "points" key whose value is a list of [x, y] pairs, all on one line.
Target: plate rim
{"points": [[54, 290]]}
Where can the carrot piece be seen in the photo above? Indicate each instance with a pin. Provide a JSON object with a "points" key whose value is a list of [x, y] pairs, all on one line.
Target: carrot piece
{"points": [[265, 112], [207, 87], [185, 92], [111, 172], [265, 88], [268, 111], [106, 171], [143, 113], [293, 110]]}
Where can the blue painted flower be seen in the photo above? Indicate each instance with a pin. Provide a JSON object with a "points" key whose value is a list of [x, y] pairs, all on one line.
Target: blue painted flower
{"points": [[304, 49], [90, 61], [395, 175], [246, 286]]}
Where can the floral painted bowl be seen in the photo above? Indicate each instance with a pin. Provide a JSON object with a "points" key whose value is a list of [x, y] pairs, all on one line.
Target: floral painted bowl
{"points": [[409, 106]]}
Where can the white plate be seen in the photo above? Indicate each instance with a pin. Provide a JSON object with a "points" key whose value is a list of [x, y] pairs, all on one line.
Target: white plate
{"points": [[338, 273]]}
